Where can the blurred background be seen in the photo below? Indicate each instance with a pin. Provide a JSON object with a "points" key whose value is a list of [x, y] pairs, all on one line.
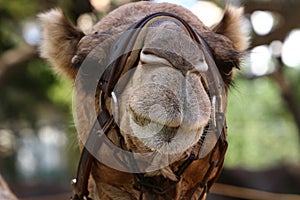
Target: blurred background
{"points": [[38, 142]]}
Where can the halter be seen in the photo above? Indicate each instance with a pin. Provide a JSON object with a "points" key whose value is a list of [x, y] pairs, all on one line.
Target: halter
{"points": [[105, 122]]}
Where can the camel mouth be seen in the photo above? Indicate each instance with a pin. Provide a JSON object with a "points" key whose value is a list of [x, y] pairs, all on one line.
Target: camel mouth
{"points": [[156, 103], [167, 111], [159, 116], [162, 138], [165, 132]]}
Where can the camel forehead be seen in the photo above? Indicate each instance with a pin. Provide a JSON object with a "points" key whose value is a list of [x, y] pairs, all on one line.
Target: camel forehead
{"points": [[170, 41], [123, 17]]}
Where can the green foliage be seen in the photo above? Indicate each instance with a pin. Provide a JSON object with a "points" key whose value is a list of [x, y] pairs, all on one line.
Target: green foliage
{"points": [[55, 89], [19, 9], [12, 13], [9, 34], [60, 93], [261, 132], [30, 87]]}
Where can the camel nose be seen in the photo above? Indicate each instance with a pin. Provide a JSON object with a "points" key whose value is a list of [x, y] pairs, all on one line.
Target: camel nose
{"points": [[156, 103]]}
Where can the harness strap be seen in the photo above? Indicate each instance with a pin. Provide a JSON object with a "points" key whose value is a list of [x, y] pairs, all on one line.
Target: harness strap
{"points": [[141, 182], [105, 120], [216, 160], [101, 127]]}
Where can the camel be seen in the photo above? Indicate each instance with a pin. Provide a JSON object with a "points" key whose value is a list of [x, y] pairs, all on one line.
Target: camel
{"points": [[162, 133]]}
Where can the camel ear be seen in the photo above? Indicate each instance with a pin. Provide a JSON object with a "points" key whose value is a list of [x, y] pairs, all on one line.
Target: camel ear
{"points": [[59, 41], [232, 27]]}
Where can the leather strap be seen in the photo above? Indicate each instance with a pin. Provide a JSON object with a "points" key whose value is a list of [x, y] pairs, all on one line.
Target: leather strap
{"points": [[101, 127], [105, 120]]}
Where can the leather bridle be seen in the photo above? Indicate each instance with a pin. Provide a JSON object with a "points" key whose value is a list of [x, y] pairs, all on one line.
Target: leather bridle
{"points": [[105, 120]]}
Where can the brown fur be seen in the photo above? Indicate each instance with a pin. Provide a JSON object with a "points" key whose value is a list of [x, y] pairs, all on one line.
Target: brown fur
{"points": [[66, 47], [60, 39], [231, 26]]}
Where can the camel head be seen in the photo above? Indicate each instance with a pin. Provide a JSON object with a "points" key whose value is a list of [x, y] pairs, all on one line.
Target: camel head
{"points": [[162, 103]]}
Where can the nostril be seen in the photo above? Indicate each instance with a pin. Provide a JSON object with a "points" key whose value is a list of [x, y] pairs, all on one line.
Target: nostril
{"points": [[201, 66], [145, 52], [150, 58]]}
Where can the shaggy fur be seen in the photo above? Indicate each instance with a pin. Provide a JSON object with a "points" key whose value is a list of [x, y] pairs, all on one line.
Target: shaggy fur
{"points": [[232, 27], [60, 40], [188, 112]]}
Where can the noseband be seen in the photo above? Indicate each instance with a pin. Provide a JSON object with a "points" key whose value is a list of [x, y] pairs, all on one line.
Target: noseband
{"points": [[106, 122]]}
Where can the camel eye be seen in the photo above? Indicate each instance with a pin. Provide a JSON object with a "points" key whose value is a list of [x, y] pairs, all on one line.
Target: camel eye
{"points": [[150, 58]]}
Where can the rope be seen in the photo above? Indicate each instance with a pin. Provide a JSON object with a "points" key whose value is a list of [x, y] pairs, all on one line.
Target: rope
{"points": [[246, 193]]}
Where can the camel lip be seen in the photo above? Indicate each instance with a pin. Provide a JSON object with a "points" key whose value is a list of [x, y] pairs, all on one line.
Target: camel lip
{"points": [[164, 139], [156, 102], [164, 132], [144, 120]]}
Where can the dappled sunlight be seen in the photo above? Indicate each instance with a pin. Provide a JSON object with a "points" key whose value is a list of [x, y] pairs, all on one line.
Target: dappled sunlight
{"points": [[26, 160], [262, 22], [276, 48], [100, 5], [291, 49], [85, 21], [260, 61], [7, 142], [41, 154], [31, 32]]}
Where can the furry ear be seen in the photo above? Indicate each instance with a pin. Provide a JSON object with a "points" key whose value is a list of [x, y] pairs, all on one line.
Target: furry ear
{"points": [[59, 41], [232, 27]]}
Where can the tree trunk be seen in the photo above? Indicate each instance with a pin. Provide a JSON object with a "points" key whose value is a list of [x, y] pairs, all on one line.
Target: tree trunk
{"points": [[5, 193]]}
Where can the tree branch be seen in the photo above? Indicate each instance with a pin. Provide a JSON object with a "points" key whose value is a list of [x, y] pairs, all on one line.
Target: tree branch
{"points": [[16, 57], [288, 16], [5, 192], [287, 93]]}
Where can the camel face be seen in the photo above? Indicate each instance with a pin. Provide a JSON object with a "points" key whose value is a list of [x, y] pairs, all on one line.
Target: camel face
{"points": [[163, 104]]}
